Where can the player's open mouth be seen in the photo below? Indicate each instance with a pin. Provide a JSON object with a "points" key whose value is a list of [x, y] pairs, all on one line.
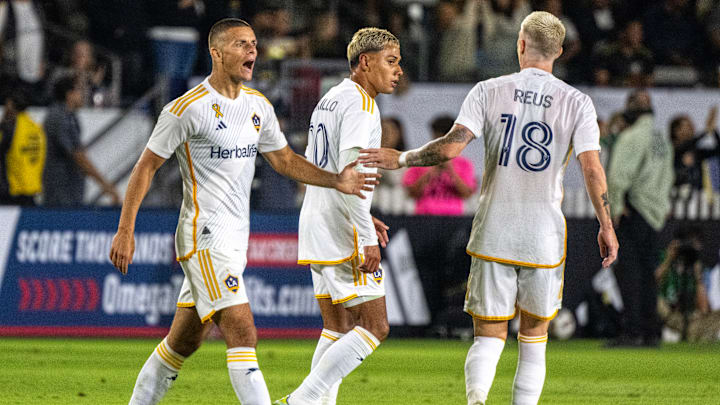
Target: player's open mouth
{"points": [[249, 64], [395, 83]]}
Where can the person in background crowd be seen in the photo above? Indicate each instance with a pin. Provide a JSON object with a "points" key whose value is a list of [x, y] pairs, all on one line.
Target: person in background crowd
{"points": [[22, 153], [457, 35], [572, 45], [683, 300], [627, 62], [83, 65], [389, 194], [691, 150], [500, 24], [441, 189], [22, 41], [67, 162], [639, 181]]}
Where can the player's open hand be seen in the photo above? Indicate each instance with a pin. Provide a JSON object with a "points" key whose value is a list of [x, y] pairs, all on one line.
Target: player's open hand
{"points": [[371, 260], [381, 231], [383, 158], [122, 250], [350, 181], [608, 245]]}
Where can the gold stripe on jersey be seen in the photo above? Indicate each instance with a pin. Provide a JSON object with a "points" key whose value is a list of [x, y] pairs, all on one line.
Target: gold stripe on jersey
{"points": [[367, 338], [538, 317], [254, 92], [354, 271], [524, 264], [490, 318], [185, 304], [346, 299], [368, 102], [208, 259], [331, 262], [188, 94], [203, 271], [362, 94], [195, 205], [319, 296], [192, 100]]}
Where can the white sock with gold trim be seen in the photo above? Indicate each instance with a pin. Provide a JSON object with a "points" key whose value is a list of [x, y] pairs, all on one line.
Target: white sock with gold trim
{"points": [[157, 375], [530, 373], [480, 365], [327, 338], [338, 361], [246, 378]]}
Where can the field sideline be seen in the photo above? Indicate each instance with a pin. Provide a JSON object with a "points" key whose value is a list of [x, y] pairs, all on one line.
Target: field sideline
{"points": [[93, 371]]}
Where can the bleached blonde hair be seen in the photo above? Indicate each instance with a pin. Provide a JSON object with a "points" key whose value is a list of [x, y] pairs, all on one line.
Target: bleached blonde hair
{"points": [[544, 33], [369, 40]]}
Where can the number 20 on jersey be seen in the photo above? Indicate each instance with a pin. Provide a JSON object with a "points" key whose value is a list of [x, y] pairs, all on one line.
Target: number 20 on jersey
{"points": [[536, 137]]}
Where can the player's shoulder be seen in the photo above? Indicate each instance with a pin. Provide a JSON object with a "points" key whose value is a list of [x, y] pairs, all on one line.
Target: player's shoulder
{"points": [[183, 106], [256, 96], [353, 96]]}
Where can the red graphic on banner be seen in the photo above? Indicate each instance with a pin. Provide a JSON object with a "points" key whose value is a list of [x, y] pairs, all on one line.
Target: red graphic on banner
{"points": [[272, 250], [42, 294]]}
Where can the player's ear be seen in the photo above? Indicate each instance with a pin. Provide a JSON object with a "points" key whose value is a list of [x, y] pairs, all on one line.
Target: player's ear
{"points": [[559, 53], [363, 60], [215, 53]]}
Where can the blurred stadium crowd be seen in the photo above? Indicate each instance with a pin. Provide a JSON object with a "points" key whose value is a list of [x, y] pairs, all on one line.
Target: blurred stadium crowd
{"points": [[608, 43]]}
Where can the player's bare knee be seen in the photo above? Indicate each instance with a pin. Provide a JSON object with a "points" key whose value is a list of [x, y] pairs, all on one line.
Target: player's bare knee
{"points": [[378, 327], [185, 344]]}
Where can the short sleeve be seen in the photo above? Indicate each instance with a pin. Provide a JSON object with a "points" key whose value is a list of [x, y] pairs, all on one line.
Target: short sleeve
{"points": [[586, 135], [170, 132], [271, 137], [471, 113], [355, 128]]}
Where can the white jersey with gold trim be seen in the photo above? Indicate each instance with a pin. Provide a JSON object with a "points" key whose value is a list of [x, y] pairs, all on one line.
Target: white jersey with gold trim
{"points": [[530, 122], [345, 118], [216, 140]]}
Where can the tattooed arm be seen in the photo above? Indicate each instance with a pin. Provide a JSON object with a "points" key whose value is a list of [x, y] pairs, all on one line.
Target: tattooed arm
{"points": [[434, 152], [597, 190]]}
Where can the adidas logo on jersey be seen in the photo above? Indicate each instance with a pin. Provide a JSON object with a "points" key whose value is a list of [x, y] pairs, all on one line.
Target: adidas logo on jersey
{"points": [[221, 125]]}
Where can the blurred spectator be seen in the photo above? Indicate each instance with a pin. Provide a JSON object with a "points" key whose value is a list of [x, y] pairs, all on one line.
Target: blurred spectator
{"points": [[609, 132], [22, 153], [457, 35], [692, 149], [571, 46], [627, 62], [23, 41], [683, 301], [501, 21], [325, 41], [389, 195], [273, 28], [639, 183], [597, 23], [67, 163], [441, 189], [174, 36], [672, 32], [83, 65]]}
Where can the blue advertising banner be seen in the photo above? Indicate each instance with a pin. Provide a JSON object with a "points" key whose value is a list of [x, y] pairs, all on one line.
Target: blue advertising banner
{"points": [[56, 278]]}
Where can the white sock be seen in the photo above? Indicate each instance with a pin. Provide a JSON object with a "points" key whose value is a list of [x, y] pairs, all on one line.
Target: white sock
{"points": [[530, 374], [157, 375], [246, 378], [338, 361], [480, 365], [327, 338]]}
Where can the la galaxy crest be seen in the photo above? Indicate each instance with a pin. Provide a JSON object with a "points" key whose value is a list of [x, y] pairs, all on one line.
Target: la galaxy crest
{"points": [[378, 276], [256, 121], [232, 283]]}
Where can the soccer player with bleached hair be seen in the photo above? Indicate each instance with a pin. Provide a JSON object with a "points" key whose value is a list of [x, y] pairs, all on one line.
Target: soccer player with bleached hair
{"points": [[530, 123], [337, 236], [216, 130]]}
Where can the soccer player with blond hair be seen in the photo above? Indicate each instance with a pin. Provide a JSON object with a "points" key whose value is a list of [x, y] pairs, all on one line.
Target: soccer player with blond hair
{"points": [[337, 236], [216, 130], [530, 123]]}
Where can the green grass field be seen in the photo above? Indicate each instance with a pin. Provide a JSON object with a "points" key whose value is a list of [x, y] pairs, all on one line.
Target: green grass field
{"points": [[92, 371]]}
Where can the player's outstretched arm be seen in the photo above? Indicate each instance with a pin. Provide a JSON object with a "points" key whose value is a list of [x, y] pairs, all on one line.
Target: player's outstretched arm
{"points": [[597, 190], [123, 244], [434, 152], [296, 167]]}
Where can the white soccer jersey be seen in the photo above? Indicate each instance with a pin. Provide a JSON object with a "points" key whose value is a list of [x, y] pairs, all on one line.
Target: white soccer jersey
{"points": [[530, 122], [345, 118], [216, 140]]}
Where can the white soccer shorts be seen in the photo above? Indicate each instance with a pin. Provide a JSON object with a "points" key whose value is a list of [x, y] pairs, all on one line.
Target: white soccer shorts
{"points": [[344, 283], [213, 281], [496, 290]]}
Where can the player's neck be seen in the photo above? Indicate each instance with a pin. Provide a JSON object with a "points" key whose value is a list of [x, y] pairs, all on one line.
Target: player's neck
{"points": [[363, 81], [537, 64], [225, 86]]}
